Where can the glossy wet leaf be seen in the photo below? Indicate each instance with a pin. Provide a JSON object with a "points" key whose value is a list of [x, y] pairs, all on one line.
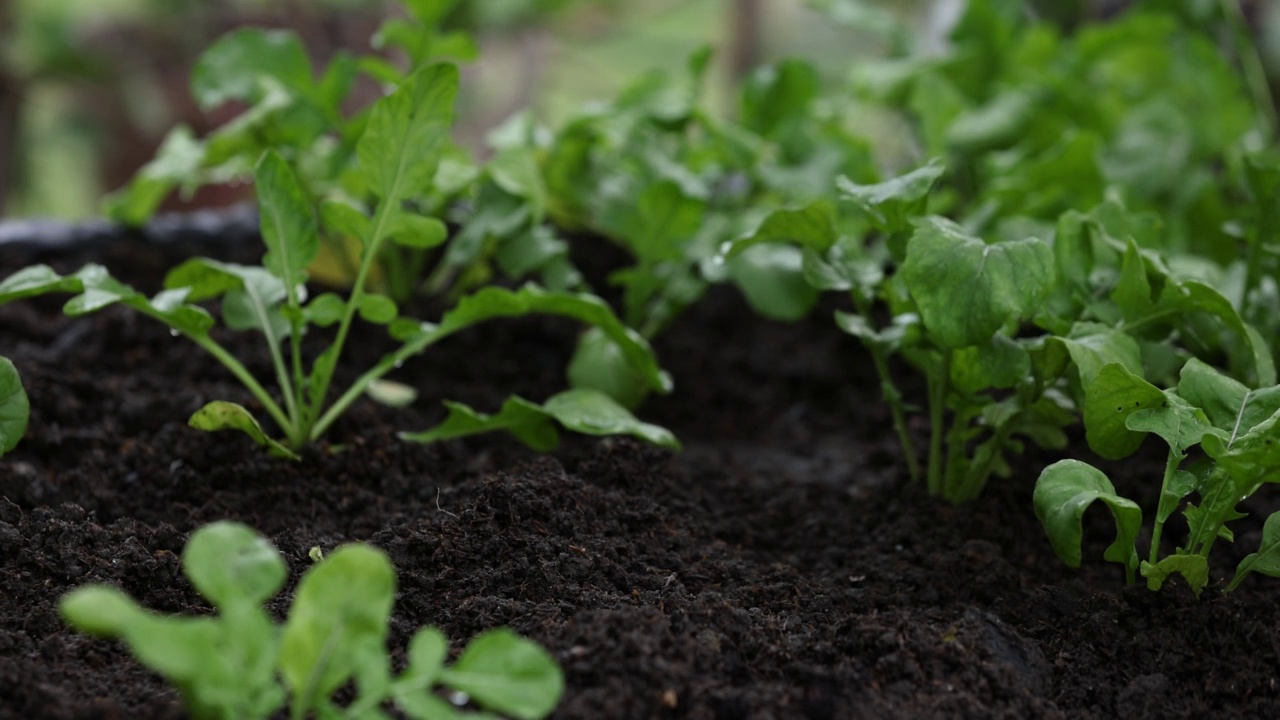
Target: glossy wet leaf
{"points": [[1064, 491], [967, 289], [14, 407], [222, 415]]}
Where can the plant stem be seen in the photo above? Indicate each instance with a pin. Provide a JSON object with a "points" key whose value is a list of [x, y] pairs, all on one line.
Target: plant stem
{"points": [[388, 363], [1255, 73], [976, 478], [376, 236], [1157, 530], [893, 398], [273, 409], [939, 385]]}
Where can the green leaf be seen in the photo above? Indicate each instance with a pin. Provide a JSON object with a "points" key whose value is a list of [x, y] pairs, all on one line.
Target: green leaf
{"points": [[1267, 559], [772, 279], [1112, 396], [14, 407], [527, 421], [594, 413], [288, 223], [417, 231], [508, 674], [998, 363], [41, 280], [343, 218], [222, 415], [100, 610], [229, 563], [252, 296], [233, 67], [893, 203], [1073, 249], [325, 310], [598, 363], [966, 289], [998, 124], [1092, 346], [378, 309], [99, 290], [341, 604], [1180, 485], [428, 651], [1180, 424], [1064, 491], [406, 135], [179, 159], [581, 410], [809, 227], [662, 222], [1193, 568], [495, 302]]}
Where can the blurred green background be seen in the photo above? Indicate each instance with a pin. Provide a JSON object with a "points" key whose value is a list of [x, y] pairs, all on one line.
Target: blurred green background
{"points": [[89, 87]]}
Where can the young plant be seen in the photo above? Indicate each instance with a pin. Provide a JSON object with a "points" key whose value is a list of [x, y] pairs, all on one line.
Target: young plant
{"points": [[1238, 432], [240, 665], [14, 407], [398, 152]]}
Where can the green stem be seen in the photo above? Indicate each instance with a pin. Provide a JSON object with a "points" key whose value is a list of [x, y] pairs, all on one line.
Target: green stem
{"points": [[893, 398], [362, 383], [976, 478], [376, 237], [1255, 73], [939, 385], [273, 409], [1170, 467]]}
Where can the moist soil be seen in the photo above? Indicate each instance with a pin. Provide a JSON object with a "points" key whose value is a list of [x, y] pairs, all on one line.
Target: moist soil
{"points": [[781, 566]]}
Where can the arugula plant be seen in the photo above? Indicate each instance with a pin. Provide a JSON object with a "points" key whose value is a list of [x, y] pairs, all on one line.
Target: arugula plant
{"points": [[656, 174], [955, 303], [399, 152], [14, 407], [1235, 429], [240, 665]]}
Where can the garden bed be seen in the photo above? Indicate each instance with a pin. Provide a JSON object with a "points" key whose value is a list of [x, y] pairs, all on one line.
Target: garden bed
{"points": [[777, 568]]}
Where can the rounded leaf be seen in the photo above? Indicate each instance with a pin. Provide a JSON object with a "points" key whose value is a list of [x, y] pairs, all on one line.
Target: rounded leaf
{"points": [[230, 563]]}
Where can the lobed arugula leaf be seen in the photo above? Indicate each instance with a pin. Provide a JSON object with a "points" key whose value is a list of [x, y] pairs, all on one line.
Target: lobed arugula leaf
{"points": [[582, 410]]}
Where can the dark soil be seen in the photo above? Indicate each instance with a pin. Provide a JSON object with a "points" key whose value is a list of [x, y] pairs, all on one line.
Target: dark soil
{"points": [[777, 568]]}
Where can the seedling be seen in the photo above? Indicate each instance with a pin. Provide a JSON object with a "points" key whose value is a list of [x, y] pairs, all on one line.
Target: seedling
{"points": [[1234, 427], [399, 153], [240, 665]]}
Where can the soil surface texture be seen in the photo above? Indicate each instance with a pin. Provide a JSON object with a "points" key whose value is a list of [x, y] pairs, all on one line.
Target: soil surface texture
{"points": [[779, 567]]}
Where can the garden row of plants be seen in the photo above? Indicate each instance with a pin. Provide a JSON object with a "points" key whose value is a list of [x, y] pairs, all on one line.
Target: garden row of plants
{"points": [[1082, 231]]}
